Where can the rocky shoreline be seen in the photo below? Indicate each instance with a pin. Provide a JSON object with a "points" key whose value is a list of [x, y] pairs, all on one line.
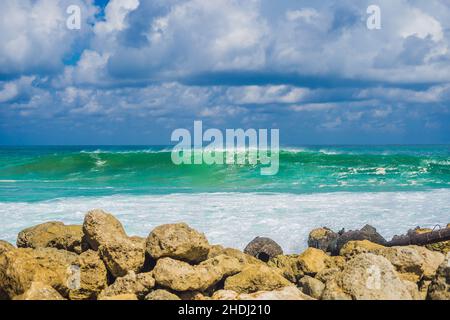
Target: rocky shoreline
{"points": [[99, 261]]}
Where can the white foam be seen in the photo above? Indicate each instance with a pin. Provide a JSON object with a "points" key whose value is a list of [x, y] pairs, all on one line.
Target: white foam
{"points": [[234, 219]]}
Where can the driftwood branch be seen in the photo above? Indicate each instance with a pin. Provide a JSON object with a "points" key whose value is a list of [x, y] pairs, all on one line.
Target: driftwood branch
{"points": [[420, 239]]}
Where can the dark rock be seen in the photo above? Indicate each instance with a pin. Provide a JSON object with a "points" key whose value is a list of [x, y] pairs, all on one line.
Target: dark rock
{"points": [[323, 239], [263, 248], [366, 233]]}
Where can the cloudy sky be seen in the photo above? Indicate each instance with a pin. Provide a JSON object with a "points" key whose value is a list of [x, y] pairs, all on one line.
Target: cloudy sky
{"points": [[138, 69]]}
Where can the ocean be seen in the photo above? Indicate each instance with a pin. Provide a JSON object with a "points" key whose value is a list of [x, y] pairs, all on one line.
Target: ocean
{"points": [[393, 188]]}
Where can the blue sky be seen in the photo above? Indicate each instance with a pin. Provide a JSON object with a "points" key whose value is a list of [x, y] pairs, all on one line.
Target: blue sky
{"points": [[137, 70]]}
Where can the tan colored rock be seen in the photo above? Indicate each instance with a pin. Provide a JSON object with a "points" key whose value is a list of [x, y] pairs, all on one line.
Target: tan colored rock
{"points": [[244, 259], [353, 248], [138, 284], [19, 268], [177, 241], [413, 262], [288, 265], [284, 293], [439, 289], [71, 275], [5, 246], [323, 239], [311, 287], [225, 295], [92, 277], [100, 227], [127, 296], [119, 252], [52, 235], [413, 290], [367, 277], [181, 276], [161, 294], [312, 261], [327, 274], [255, 278], [192, 295], [121, 257], [40, 291]]}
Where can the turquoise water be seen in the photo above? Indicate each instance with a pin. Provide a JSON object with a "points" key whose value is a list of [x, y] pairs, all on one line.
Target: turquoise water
{"points": [[393, 188], [44, 173]]}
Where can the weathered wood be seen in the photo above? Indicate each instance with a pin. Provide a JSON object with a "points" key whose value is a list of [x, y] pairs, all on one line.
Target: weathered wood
{"points": [[420, 239]]}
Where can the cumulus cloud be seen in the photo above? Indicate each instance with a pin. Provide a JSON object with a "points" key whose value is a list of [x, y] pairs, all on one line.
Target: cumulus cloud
{"points": [[302, 66]]}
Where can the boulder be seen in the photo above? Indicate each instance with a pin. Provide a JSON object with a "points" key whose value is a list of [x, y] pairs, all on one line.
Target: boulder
{"points": [[311, 287], [92, 277], [288, 265], [255, 278], [442, 247], [367, 277], [39, 291], [284, 293], [366, 233], [78, 277], [353, 248], [121, 257], [161, 294], [181, 276], [323, 239], [5, 246], [263, 249], [138, 284], [413, 262], [312, 261], [244, 259], [19, 268], [52, 235], [119, 252], [100, 227], [127, 296], [177, 241], [439, 288]]}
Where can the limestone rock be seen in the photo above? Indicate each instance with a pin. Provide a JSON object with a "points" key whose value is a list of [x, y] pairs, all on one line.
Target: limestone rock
{"points": [[177, 241], [137, 284], [52, 235], [181, 276], [367, 277], [439, 289], [244, 259], [353, 248], [288, 265], [413, 262], [127, 296], [255, 278], [92, 277], [161, 294], [78, 277], [311, 287], [40, 291], [5, 246], [263, 249], [121, 257], [100, 227], [284, 293], [19, 268], [323, 239], [312, 261], [119, 252], [366, 233]]}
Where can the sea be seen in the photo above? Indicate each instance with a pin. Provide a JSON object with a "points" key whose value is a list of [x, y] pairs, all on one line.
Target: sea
{"points": [[393, 188]]}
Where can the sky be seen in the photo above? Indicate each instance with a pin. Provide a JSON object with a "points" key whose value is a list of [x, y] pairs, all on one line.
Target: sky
{"points": [[136, 70]]}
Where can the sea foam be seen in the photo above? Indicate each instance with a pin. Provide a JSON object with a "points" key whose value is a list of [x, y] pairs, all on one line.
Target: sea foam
{"points": [[234, 219]]}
